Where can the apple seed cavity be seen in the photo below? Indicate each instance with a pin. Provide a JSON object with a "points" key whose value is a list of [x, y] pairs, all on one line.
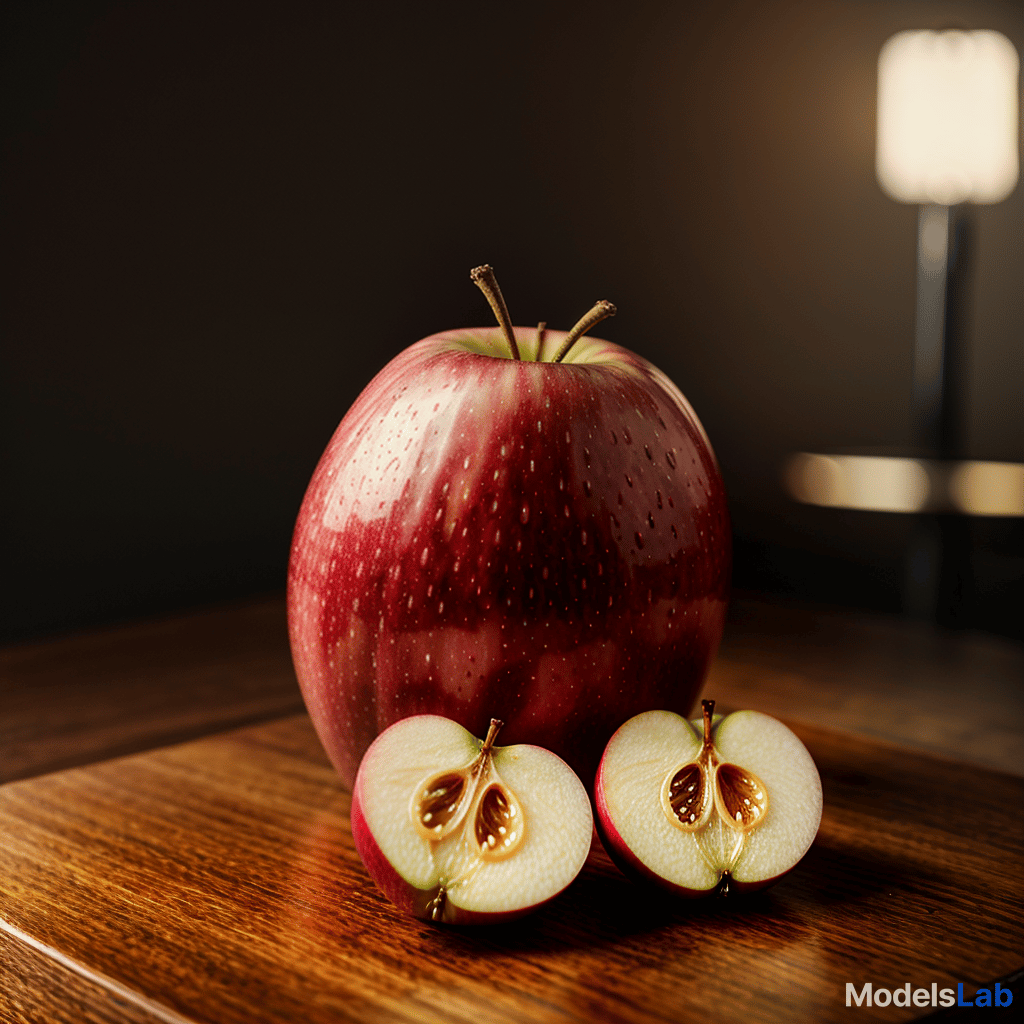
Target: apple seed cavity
{"points": [[691, 792], [474, 798]]}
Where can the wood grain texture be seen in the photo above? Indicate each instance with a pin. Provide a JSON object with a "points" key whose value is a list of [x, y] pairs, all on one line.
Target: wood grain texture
{"points": [[218, 879], [90, 696], [35, 988]]}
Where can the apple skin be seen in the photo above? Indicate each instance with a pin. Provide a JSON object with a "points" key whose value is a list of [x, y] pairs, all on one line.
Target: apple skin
{"points": [[543, 543]]}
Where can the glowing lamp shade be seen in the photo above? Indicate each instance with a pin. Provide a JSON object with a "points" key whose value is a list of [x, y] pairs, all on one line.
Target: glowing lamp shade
{"points": [[947, 117]]}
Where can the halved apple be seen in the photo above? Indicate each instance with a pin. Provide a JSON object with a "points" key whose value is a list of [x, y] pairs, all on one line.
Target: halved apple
{"points": [[455, 829], [719, 805]]}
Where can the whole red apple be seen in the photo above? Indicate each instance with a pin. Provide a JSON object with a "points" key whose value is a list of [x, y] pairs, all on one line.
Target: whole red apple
{"points": [[492, 533]]}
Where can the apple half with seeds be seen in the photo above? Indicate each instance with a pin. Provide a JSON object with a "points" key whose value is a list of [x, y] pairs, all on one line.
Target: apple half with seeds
{"points": [[725, 804], [455, 829]]}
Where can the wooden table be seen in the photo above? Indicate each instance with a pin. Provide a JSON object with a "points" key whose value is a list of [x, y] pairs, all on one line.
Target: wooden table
{"points": [[147, 879]]}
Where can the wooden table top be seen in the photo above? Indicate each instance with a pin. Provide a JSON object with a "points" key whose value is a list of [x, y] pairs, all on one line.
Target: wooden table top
{"points": [[214, 880]]}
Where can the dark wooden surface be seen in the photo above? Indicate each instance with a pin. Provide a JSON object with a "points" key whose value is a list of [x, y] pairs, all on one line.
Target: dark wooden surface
{"points": [[82, 698], [954, 694], [215, 880]]}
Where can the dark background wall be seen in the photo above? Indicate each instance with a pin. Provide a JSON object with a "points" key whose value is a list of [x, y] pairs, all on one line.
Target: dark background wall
{"points": [[221, 218]]}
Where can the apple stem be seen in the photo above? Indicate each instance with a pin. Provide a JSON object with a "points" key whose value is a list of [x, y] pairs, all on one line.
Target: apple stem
{"points": [[483, 277], [708, 709], [492, 735], [541, 330], [598, 312]]}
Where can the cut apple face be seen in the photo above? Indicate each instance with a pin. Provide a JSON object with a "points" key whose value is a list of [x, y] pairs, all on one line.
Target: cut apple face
{"points": [[719, 805], [456, 829]]}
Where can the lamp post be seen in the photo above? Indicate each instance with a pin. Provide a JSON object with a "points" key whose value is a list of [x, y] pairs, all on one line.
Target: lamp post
{"points": [[946, 137]]}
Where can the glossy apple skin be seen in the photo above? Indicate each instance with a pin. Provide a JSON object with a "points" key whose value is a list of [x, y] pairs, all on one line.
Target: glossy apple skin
{"points": [[543, 543]]}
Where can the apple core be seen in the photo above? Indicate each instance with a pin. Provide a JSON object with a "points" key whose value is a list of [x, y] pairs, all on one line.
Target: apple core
{"points": [[472, 798], [693, 794]]}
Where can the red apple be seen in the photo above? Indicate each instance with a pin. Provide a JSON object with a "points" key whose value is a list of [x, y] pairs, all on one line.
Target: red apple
{"points": [[537, 539]]}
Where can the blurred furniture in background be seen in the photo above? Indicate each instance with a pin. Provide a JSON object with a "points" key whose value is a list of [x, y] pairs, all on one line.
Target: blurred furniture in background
{"points": [[946, 136]]}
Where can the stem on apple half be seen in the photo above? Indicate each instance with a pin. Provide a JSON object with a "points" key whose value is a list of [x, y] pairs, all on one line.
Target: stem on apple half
{"points": [[598, 312], [483, 277], [492, 735]]}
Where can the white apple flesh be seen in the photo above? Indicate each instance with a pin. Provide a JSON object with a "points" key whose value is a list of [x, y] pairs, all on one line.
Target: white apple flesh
{"points": [[726, 805], [457, 830]]}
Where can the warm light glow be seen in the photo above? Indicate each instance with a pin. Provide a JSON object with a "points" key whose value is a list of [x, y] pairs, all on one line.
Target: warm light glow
{"points": [[988, 488], [876, 483], [947, 117], [858, 481]]}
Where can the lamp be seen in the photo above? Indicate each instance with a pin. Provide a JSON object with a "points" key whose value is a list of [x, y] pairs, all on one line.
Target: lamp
{"points": [[947, 117], [946, 136]]}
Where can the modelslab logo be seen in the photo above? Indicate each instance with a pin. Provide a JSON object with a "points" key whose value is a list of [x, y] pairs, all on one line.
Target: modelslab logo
{"points": [[934, 996]]}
